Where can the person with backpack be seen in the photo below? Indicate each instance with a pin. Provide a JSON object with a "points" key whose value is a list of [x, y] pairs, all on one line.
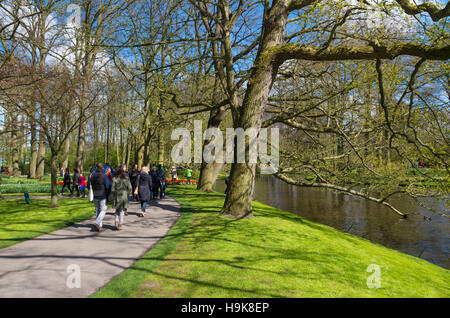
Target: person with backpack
{"points": [[120, 189], [66, 181], [100, 184]]}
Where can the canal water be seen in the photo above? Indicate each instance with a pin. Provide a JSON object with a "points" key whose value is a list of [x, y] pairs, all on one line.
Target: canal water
{"points": [[424, 238]]}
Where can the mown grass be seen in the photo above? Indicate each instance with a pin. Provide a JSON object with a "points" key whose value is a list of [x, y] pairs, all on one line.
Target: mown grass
{"points": [[274, 254], [20, 221], [127, 282]]}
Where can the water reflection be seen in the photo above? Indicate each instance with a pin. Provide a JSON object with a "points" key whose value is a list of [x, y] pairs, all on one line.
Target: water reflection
{"points": [[428, 239]]}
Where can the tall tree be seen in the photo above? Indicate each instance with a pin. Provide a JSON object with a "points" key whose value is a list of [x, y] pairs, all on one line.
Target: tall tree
{"points": [[273, 51]]}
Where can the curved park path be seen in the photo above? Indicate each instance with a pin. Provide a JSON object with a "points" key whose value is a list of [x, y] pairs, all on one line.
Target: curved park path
{"points": [[43, 266]]}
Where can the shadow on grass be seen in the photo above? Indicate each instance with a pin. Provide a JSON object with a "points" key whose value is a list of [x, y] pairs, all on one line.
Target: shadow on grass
{"points": [[198, 234]]}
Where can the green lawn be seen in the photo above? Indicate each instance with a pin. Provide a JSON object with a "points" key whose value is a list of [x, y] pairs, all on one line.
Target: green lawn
{"points": [[274, 254], [20, 221]]}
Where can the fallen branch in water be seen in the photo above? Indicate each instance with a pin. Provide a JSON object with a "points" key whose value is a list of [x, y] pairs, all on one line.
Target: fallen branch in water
{"points": [[342, 189]]}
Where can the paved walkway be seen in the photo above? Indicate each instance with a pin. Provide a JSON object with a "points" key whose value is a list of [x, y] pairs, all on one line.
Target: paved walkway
{"points": [[41, 267]]}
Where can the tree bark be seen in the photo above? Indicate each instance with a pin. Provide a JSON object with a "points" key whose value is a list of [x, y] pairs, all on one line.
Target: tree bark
{"points": [[33, 150], [66, 148], [127, 152], [65, 154], [238, 202], [161, 146], [210, 171], [14, 144], [22, 140], [41, 155], [80, 148], [208, 176], [54, 177], [43, 51]]}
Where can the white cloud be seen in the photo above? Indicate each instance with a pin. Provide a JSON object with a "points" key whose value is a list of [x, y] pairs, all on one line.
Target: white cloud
{"points": [[60, 33]]}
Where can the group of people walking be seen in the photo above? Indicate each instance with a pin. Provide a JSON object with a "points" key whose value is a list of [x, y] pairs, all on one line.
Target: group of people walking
{"points": [[78, 183], [152, 183], [118, 187]]}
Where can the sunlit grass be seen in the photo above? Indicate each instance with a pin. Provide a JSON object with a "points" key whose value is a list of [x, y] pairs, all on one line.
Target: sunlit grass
{"points": [[274, 254], [20, 221]]}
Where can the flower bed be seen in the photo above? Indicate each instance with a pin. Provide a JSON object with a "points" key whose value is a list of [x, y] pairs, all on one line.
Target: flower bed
{"points": [[31, 188], [181, 181]]}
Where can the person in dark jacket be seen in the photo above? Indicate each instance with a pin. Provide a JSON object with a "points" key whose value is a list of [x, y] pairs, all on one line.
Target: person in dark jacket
{"points": [[76, 182], [67, 182], [100, 184], [133, 175], [155, 188], [161, 178], [145, 183]]}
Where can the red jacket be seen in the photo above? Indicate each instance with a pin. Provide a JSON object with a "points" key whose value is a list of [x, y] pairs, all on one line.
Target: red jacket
{"points": [[82, 181]]}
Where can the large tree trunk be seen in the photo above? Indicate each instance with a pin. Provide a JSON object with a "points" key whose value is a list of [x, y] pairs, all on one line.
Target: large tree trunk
{"points": [[40, 170], [161, 146], [208, 176], [81, 156], [147, 141], [33, 150], [140, 157], [65, 154], [118, 144], [107, 137], [79, 161], [210, 171], [54, 177], [95, 126], [127, 153], [66, 147], [41, 155], [14, 144], [238, 202], [22, 141]]}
